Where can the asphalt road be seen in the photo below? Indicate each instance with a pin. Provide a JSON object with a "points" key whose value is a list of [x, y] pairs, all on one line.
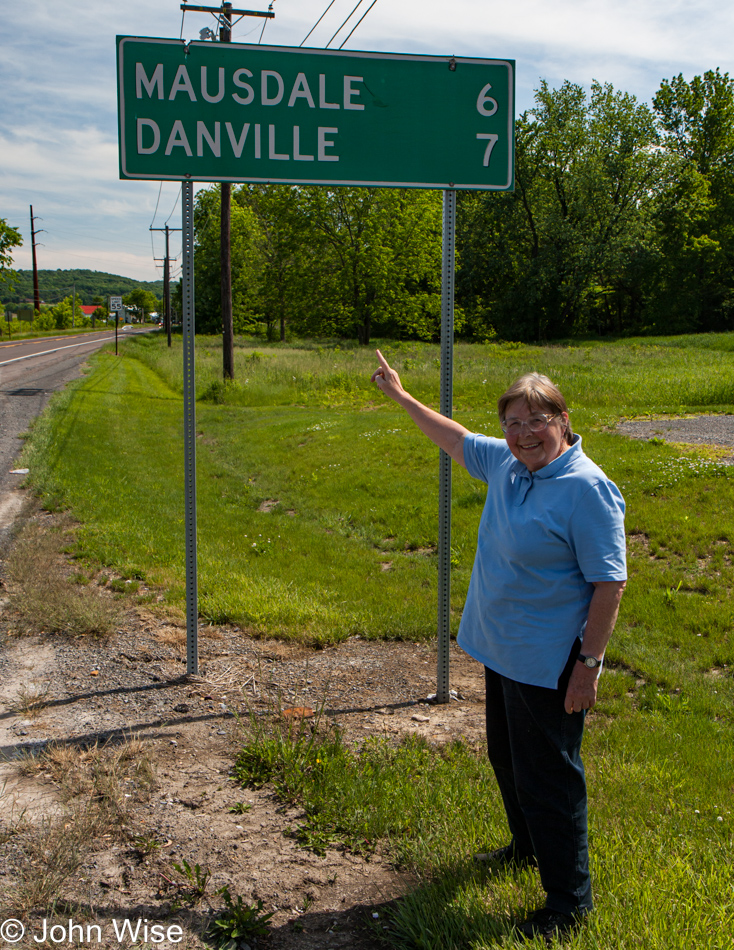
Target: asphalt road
{"points": [[30, 372]]}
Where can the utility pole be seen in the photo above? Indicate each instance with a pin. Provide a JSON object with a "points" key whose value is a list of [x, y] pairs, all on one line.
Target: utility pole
{"points": [[166, 281], [73, 304], [36, 292], [224, 15]]}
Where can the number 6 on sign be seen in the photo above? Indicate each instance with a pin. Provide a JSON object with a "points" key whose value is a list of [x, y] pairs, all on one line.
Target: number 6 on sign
{"points": [[491, 138]]}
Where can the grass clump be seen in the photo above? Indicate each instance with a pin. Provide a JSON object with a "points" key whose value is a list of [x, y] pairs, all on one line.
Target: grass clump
{"points": [[96, 787], [43, 598]]}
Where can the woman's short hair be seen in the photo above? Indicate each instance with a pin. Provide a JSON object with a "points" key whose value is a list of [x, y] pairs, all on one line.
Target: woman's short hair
{"points": [[540, 394]]}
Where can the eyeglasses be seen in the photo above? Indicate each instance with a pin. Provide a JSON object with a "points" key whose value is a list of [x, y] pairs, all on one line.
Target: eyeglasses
{"points": [[535, 423]]}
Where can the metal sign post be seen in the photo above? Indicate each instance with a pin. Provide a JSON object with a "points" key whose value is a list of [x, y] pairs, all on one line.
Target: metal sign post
{"points": [[444, 477], [187, 286], [116, 305]]}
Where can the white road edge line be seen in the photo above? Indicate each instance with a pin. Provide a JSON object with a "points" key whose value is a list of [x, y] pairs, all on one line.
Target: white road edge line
{"points": [[46, 352]]}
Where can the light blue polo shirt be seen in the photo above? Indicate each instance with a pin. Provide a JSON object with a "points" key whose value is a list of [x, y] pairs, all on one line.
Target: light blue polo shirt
{"points": [[544, 538]]}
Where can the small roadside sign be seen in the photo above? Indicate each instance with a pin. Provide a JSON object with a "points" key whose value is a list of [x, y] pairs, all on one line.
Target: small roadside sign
{"points": [[116, 303]]}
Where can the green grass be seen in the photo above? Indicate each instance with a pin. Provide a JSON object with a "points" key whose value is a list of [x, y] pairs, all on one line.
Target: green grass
{"points": [[350, 545], [660, 822], [350, 548]]}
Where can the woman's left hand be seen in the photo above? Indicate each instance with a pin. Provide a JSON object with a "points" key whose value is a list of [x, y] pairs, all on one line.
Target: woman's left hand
{"points": [[581, 692]]}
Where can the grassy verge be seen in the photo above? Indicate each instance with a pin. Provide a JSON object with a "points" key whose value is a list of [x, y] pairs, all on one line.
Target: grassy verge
{"points": [[317, 500], [660, 816], [317, 520]]}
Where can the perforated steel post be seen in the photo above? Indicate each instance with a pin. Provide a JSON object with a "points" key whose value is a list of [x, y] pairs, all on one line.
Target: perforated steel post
{"points": [[187, 285], [444, 477]]}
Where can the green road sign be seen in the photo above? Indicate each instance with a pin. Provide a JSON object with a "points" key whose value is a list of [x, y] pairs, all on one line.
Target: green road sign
{"points": [[230, 112]]}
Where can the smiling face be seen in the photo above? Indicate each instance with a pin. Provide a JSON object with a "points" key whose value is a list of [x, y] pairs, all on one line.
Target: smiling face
{"points": [[536, 449]]}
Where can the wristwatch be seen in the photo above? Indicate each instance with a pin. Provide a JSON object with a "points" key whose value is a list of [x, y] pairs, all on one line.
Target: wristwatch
{"points": [[590, 662]]}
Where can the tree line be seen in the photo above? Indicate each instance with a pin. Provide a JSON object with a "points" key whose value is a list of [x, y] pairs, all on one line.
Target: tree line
{"points": [[620, 222], [91, 286]]}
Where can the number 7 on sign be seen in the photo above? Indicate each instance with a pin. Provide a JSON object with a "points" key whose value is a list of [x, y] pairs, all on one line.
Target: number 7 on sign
{"points": [[491, 138]]}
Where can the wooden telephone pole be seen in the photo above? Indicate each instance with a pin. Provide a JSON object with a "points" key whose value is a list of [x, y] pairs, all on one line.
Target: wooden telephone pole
{"points": [[224, 15], [166, 281], [36, 292]]}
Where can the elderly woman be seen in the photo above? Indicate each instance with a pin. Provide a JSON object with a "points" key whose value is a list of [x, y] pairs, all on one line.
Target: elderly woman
{"points": [[542, 603]]}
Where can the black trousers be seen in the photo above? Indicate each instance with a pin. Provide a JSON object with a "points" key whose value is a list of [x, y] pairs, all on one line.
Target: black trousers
{"points": [[534, 747]]}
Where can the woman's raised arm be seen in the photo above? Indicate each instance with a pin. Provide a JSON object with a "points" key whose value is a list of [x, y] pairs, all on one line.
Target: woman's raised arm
{"points": [[447, 434]]}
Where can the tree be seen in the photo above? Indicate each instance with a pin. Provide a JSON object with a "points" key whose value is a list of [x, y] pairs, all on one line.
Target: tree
{"points": [[141, 300], [697, 119], [374, 262], [246, 263], [561, 254], [9, 238], [282, 245], [61, 314], [695, 216]]}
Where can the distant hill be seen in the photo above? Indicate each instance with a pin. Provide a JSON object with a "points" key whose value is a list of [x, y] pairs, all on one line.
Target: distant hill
{"points": [[54, 285]]}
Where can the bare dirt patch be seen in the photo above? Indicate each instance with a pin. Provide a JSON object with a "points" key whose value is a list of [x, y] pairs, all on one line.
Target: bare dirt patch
{"points": [[118, 762]]}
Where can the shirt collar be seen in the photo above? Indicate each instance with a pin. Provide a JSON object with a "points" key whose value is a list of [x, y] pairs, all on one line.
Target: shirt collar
{"points": [[554, 467]]}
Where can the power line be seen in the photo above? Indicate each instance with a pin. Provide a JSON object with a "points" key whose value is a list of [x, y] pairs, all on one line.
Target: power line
{"points": [[359, 3], [317, 22], [270, 10], [360, 20], [160, 189], [174, 206]]}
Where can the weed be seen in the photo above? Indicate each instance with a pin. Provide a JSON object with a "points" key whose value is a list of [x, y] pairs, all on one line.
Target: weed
{"points": [[669, 594], [240, 808], [30, 700], [196, 877], [96, 786], [121, 586], [43, 599], [237, 923], [146, 844], [306, 903], [47, 855]]}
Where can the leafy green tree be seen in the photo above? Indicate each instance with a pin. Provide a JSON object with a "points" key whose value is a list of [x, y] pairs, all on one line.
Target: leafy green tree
{"points": [[697, 119], [62, 315], [142, 301], [282, 244], [9, 238], [695, 215], [374, 262], [562, 254], [246, 263]]}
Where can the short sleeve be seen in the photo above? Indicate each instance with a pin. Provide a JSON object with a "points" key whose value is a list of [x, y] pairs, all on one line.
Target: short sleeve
{"points": [[597, 533], [483, 455]]}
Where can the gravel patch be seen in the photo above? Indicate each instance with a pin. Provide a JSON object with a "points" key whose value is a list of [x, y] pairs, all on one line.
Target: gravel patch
{"points": [[712, 430]]}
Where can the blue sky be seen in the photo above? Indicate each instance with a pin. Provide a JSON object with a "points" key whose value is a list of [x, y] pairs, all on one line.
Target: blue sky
{"points": [[58, 111]]}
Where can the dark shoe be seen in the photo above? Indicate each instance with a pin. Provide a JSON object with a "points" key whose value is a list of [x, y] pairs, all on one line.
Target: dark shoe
{"points": [[547, 923], [506, 857]]}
